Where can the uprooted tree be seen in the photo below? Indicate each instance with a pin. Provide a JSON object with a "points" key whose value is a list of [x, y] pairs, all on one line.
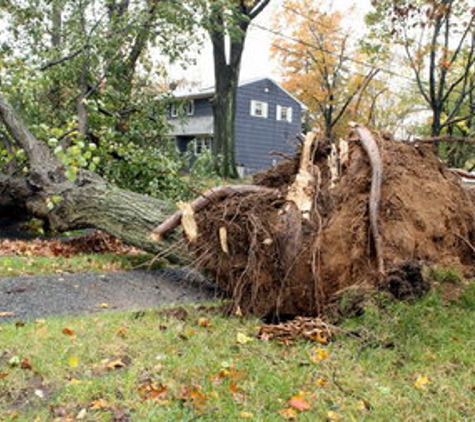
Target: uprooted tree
{"points": [[292, 242]]}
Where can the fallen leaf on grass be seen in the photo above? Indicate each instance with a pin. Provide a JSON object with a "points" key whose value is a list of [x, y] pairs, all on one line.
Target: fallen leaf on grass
{"points": [[300, 403], [246, 415], [321, 382], [288, 413], [243, 339], [320, 337], [236, 392], [153, 391], [319, 354], [194, 395], [100, 404], [3, 375], [73, 362], [104, 305], [25, 364], [122, 332], [204, 322], [421, 382], [68, 332], [224, 373]]}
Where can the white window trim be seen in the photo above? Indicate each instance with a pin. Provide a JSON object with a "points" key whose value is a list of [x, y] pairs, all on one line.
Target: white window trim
{"points": [[288, 113], [174, 111], [265, 109], [204, 143]]}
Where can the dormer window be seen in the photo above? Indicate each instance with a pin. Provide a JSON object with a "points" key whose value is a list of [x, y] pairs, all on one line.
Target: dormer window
{"points": [[284, 113], [259, 109]]}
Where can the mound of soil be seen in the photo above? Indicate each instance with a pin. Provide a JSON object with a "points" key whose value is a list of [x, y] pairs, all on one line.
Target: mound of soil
{"points": [[277, 264]]}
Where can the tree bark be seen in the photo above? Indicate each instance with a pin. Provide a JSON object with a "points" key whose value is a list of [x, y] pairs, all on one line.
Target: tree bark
{"points": [[226, 72]]}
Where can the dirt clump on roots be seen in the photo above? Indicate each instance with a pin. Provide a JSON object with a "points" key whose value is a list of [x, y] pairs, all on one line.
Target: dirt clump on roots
{"points": [[273, 262]]}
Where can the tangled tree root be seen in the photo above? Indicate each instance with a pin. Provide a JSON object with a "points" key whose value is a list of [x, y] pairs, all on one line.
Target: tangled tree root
{"points": [[298, 238]]}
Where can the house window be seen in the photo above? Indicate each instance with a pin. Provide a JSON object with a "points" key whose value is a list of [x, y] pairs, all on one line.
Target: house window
{"points": [[181, 109], [284, 113], [190, 109], [259, 109], [201, 145]]}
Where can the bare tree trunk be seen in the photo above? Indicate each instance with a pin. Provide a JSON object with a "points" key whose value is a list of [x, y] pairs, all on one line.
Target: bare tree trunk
{"points": [[226, 72]]}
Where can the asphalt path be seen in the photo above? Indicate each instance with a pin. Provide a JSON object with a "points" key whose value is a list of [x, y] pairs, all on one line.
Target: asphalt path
{"points": [[37, 297]]}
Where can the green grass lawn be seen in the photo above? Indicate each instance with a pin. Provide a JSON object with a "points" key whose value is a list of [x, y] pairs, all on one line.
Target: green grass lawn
{"points": [[404, 362], [15, 266]]}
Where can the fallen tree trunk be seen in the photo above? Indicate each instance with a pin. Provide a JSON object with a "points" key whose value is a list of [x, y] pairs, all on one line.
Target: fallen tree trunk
{"points": [[88, 202]]}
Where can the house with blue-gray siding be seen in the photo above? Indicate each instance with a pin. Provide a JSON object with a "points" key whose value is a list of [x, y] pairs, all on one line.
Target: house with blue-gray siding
{"points": [[268, 121]]}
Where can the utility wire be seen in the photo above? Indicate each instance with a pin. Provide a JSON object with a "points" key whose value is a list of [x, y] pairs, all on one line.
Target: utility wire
{"points": [[344, 58]]}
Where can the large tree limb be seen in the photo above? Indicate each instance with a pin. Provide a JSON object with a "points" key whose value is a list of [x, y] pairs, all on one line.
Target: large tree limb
{"points": [[372, 150], [39, 154], [216, 194]]}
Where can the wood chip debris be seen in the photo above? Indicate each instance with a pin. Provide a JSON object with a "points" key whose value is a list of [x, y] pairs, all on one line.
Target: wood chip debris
{"points": [[314, 329]]}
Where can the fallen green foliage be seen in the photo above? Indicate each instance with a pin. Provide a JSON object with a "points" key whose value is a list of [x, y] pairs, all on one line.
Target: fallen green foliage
{"points": [[403, 362]]}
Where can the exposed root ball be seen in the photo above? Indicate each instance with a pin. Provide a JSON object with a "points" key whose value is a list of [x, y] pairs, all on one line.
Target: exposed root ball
{"points": [[277, 264]]}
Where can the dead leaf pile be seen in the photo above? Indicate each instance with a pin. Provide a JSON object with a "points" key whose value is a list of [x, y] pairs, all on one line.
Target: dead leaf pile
{"points": [[313, 329], [97, 242]]}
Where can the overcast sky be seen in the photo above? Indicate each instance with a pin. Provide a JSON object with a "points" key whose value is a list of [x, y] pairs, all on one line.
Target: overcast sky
{"points": [[256, 59]]}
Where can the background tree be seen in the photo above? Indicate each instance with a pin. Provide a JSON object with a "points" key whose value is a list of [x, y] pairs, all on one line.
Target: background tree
{"points": [[321, 64], [227, 23], [92, 82], [438, 38]]}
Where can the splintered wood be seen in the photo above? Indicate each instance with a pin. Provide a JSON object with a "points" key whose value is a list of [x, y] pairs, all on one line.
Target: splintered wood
{"points": [[188, 221], [301, 192], [313, 329]]}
